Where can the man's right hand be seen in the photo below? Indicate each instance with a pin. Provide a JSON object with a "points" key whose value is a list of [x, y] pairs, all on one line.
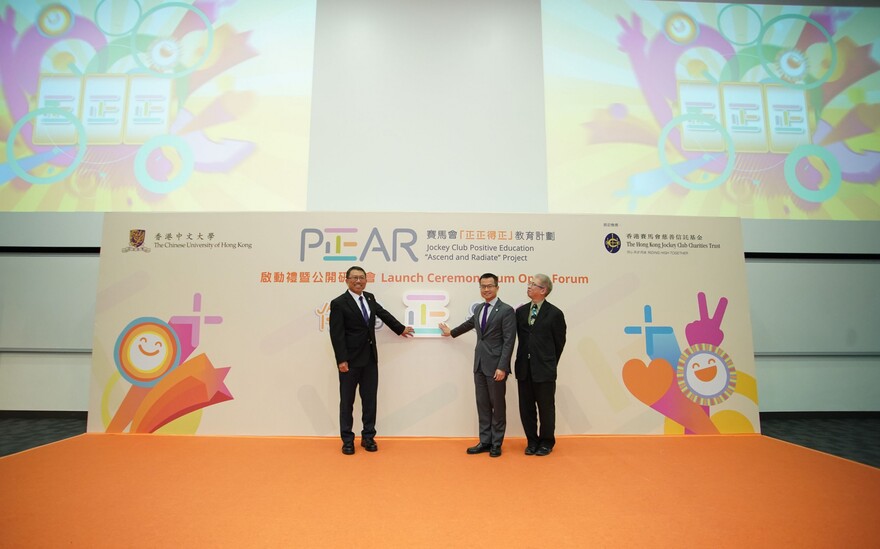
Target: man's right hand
{"points": [[343, 366], [444, 329]]}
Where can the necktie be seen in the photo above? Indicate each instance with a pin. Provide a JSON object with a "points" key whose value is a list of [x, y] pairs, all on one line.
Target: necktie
{"points": [[364, 311], [533, 314], [485, 314]]}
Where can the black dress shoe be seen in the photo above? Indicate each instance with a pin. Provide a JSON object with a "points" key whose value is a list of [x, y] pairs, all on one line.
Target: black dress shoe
{"points": [[369, 444], [495, 451], [348, 448], [479, 448], [543, 451], [530, 450]]}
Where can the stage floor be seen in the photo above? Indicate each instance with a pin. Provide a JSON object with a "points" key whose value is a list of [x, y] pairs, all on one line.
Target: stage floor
{"points": [[99, 490]]}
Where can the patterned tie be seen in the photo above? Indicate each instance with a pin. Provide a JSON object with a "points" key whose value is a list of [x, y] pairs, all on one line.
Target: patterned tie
{"points": [[485, 314], [533, 314], [364, 311]]}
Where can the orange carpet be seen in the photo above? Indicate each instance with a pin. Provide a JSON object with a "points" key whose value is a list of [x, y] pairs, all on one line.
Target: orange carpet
{"points": [[100, 490]]}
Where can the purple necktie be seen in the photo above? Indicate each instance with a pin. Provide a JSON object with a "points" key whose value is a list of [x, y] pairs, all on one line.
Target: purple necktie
{"points": [[364, 311], [485, 314]]}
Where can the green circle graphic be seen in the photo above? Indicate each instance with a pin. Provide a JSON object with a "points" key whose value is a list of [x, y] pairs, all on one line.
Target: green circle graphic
{"points": [[724, 35], [811, 195], [163, 187], [10, 146], [765, 63], [207, 52]]}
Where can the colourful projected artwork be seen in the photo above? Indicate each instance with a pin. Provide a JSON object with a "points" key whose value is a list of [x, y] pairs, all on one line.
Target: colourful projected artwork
{"points": [[138, 105], [681, 108]]}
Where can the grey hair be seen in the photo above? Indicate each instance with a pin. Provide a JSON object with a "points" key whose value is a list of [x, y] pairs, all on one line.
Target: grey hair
{"points": [[545, 282]]}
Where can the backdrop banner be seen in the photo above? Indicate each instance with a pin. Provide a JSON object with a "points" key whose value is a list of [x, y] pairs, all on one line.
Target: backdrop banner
{"points": [[217, 323]]}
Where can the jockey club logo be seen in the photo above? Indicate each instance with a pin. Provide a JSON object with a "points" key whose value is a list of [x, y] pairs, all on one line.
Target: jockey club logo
{"points": [[612, 243]]}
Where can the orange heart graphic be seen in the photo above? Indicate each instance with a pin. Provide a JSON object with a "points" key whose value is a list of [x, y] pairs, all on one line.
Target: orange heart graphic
{"points": [[648, 383]]}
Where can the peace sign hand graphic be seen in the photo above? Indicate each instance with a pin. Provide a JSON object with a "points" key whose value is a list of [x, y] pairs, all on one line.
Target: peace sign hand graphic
{"points": [[708, 328]]}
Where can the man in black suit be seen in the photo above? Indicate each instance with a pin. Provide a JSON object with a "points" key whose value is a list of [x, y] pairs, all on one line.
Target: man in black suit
{"points": [[540, 327], [353, 334], [495, 326]]}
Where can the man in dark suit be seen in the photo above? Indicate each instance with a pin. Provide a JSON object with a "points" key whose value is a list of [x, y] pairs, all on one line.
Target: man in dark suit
{"points": [[540, 327], [353, 334], [495, 326]]}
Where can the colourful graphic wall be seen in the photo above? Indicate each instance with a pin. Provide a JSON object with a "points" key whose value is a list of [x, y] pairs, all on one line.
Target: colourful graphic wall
{"points": [[129, 105], [682, 108], [671, 108], [218, 323]]}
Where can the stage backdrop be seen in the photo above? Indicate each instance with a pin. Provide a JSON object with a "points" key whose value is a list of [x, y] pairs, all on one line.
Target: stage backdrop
{"points": [[218, 323]]}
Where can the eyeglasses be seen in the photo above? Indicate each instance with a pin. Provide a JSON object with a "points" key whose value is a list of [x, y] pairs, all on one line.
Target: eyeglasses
{"points": [[487, 286], [533, 285], [356, 278]]}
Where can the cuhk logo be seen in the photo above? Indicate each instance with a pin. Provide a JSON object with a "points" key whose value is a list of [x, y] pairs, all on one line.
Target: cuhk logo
{"points": [[136, 237]]}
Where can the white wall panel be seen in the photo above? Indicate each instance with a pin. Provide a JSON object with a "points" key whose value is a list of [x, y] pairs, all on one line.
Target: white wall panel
{"points": [[811, 307], [45, 381], [428, 106], [47, 302], [825, 237], [51, 229], [818, 384]]}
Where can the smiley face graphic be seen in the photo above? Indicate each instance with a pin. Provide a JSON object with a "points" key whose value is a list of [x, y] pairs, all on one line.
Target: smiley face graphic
{"points": [[680, 28], [707, 371], [146, 350], [164, 54], [706, 374], [792, 65], [54, 20]]}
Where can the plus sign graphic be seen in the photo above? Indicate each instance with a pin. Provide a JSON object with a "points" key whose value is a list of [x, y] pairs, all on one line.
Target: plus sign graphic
{"points": [[190, 325], [660, 341]]}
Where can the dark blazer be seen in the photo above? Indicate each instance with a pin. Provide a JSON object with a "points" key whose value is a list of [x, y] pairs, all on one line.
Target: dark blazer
{"points": [[540, 345], [494, 347], [353, 339]]}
